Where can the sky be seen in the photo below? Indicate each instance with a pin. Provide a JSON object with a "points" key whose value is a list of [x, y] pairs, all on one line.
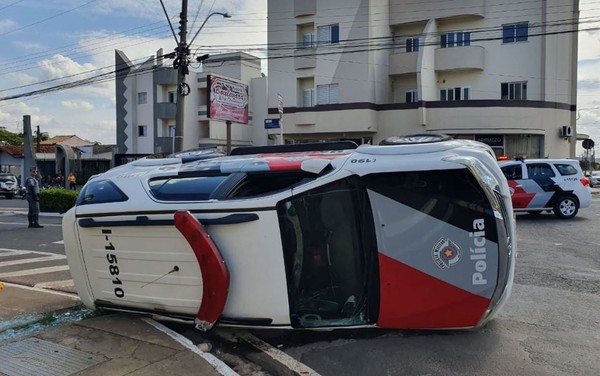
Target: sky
{"points": [[46, 43]]}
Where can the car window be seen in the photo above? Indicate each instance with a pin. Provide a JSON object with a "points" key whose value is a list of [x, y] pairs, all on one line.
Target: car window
{"points": [[566, 169], [539, 170], [512, 172]]}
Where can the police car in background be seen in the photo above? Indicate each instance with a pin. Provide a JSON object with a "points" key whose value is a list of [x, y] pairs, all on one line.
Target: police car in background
{"points": [[556, 185]]}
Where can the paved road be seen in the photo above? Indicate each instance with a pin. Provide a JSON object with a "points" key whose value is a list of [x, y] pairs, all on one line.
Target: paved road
{"points": [[550, 326], [32, 257]]}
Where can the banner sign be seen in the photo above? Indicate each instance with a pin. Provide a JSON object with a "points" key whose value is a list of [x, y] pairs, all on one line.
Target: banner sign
{"points": [[227, 100]]}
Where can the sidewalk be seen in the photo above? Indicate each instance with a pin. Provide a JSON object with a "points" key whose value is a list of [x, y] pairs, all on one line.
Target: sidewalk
{"points": [[112, 344]]}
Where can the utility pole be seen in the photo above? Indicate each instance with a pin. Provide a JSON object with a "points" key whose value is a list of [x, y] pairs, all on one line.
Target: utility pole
{"points": [[183, 89]]}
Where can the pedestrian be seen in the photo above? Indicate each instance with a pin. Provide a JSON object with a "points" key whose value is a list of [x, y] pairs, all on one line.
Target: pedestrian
{"points": [[33, 198], [72, 179]]}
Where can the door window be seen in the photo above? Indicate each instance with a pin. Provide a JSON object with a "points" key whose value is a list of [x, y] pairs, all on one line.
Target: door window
{"points": [[327, 261]]}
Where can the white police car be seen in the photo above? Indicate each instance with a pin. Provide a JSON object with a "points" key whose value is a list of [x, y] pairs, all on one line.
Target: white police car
{"points": [[547, 184], [418, 233]]}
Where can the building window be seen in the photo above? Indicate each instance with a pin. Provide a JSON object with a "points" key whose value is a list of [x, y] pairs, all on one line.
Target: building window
{"points": [[455, 94], [142, 98], [514, 90], [327, 94], [172, 97], [142, 130], [308, 40], [308, 98], [412, 44], [517, 32], [456, 39], [411, 96], [328, 34]]}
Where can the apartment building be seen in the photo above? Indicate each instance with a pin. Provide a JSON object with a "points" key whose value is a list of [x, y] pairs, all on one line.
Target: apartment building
{"points": [[146, 104], [497, 71]]}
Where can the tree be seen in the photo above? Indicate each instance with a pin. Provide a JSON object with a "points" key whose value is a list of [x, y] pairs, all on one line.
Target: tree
{"points": [[9, 138]]}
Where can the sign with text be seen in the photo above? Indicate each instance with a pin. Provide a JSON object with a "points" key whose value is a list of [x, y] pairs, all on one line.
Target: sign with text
{"points": [[271, 123], [491, 139], [227, 100]]}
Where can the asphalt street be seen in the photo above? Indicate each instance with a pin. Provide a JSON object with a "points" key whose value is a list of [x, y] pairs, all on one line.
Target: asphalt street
{"points": [[550, 325]]}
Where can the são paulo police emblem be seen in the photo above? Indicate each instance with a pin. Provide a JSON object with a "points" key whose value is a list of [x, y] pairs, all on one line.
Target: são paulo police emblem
{"points": [[446, 253]]}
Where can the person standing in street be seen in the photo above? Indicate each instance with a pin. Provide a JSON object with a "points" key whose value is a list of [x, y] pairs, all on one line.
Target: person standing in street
{"points": [[72, 185], [33, 198]]}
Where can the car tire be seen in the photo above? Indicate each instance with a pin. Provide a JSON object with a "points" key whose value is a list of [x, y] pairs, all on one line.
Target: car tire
{"points": [[566, 207], [9, 197], [421, 138]]}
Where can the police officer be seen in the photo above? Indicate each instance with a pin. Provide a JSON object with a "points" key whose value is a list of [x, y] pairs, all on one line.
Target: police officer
{"points": [[33, 198]]}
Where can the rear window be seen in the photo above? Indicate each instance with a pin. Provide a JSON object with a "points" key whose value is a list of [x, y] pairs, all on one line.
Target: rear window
{"points": [[566, 169], [100, 191], [222, 187], [539, 171], [198, 188]]}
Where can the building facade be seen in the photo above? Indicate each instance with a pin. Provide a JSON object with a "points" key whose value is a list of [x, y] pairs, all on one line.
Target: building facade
{"points": [[504, 73], [146, 104]]}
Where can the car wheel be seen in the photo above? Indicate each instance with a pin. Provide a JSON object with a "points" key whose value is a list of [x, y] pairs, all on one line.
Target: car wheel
{"points": [[421, 138], [566, 207]]}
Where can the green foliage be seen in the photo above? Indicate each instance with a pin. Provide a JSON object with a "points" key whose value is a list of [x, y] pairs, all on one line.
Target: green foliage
{"points": [[9, 138], [57, 200]]}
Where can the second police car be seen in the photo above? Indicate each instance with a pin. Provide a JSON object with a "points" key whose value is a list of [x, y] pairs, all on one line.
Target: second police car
{"points": [[556, 185]]}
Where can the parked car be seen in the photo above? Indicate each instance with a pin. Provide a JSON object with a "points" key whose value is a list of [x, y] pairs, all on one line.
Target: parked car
{"points": [[595, 179], [556, 185], [9, 185], [417, 233]]}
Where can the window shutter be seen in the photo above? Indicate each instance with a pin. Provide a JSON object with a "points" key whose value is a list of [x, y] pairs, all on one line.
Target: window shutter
{"points": [[466, 94], [323, 34], [334, 93], [308, 97], [521, 32], [508, 33], [467, 38], [335, 33], [322, 94]]}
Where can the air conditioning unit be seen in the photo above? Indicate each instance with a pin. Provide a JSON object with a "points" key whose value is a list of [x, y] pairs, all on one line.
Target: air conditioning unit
{"points": [[566, 131]]}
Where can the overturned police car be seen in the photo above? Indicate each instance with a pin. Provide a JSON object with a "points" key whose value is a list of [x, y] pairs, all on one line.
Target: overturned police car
{"points": [[415, 233]]}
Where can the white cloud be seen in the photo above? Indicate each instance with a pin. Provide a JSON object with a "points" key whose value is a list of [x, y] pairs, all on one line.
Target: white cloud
{"points": [[7, 25], [77, 105], [59, 66], [28, 46]]}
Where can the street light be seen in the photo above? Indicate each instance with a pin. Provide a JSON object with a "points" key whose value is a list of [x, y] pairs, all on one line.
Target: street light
{"points": [[225, 15], [181, 64]]}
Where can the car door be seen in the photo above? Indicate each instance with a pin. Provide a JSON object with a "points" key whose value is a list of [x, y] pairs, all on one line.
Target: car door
{"points": [[520, 195], [541, 183]]}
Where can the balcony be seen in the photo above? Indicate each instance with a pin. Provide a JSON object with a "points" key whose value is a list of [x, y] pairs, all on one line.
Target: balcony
{"points": [[402, 12], [403, 63], [165, 76], [305, 8], [460, 58], [305, 58], [166, 110]]}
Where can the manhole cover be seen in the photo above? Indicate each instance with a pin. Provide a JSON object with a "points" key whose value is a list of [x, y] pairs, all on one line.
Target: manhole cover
{"points": [[33, 356]]}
